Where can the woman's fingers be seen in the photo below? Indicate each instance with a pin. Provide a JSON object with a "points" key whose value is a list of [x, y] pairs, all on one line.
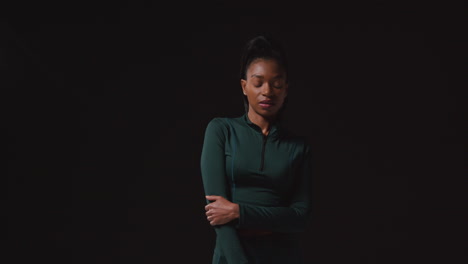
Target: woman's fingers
{"points": [[210, 219], [218, 211], [212, 197], [217, 201]]}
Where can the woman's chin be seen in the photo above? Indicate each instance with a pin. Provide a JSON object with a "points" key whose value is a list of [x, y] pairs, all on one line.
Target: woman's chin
{"points": [[267, 113]]}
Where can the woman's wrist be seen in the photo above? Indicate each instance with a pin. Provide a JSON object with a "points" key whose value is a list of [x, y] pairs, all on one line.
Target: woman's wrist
{"points": [[235, 211]]}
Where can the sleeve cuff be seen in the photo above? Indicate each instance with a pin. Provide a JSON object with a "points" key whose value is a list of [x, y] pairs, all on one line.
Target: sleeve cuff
{"points": [[238, 223]]}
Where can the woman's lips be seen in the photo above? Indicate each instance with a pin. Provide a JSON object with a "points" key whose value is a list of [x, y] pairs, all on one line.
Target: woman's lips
{"points": [[266, 104]]}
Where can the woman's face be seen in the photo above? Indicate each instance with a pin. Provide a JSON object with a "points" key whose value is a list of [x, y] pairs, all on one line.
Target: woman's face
{"points": [[265, 87]]}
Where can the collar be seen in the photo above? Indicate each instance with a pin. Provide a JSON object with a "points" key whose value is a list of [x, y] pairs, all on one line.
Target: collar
{"points": [[275, 127]]}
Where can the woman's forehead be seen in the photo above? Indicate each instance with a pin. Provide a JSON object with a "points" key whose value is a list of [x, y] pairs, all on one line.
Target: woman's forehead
{"points": [[261, 67]]}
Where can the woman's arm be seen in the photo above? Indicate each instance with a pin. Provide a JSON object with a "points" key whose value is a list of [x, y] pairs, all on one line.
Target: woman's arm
{"points": [[293, 218], [215, 183]]}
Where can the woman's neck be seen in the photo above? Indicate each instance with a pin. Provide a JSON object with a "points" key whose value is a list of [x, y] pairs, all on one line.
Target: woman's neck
{"points": [[261, 121]]}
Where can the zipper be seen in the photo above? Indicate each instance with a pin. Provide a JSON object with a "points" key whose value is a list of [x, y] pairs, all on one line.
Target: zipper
{"points": [[262, 162]]}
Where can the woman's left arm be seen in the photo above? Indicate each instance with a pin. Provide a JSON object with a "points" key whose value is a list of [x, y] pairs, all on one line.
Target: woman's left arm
{"points": [[291, 219]]}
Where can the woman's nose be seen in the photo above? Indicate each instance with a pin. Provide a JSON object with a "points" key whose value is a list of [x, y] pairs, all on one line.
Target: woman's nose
{"points": [[266, 90]]}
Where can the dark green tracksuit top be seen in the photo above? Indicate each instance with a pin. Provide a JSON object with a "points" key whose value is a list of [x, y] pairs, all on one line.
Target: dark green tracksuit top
{"points": [[268, 176]]}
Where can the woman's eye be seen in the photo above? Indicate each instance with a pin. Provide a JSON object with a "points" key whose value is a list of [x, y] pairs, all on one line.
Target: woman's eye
{"points": [[278, 85]]}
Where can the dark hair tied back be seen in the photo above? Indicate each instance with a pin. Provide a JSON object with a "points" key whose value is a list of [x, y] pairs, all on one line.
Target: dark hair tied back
{"points": [[262, 46]]}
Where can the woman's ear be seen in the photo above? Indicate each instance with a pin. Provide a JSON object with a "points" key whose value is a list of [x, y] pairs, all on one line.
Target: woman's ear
{"points": [[243, 84]]}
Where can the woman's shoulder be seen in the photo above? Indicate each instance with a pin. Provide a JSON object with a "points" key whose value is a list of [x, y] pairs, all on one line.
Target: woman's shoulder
{"points": [[223, 123], [218, 122]]}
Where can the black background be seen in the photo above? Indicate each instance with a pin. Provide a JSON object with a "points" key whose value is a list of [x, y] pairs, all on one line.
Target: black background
{"points": [[106, 106]]}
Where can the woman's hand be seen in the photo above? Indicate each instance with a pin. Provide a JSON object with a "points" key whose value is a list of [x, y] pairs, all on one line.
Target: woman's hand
{"points": [[221, 211]]}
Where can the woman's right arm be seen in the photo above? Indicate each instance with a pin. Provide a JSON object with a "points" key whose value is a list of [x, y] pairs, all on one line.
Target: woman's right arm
{"points": [[215, 183]]}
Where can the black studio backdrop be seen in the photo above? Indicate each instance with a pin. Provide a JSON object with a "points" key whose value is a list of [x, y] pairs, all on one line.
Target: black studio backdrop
{"points": [[106, 108]]}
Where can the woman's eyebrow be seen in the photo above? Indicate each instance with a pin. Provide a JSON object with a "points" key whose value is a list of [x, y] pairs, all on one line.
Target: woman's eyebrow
{"points": [[279, 76]]}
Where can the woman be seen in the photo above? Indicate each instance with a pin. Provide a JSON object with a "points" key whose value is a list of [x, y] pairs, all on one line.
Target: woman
{"points": [[256, 174]]}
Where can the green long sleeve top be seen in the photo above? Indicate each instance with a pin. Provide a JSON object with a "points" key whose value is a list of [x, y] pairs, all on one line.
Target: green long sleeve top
{"points": [[267, 176]]}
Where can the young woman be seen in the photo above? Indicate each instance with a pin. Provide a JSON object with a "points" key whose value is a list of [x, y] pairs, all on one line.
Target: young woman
{"points": [[256, 174]]}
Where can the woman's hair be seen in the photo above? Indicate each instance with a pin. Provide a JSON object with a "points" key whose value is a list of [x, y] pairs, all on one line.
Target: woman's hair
{"points": [[263, 46]]}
